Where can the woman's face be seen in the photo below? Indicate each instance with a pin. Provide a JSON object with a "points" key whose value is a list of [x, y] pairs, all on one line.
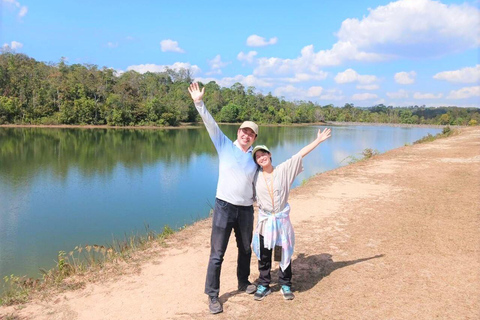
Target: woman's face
{"points": [[263, 158]]}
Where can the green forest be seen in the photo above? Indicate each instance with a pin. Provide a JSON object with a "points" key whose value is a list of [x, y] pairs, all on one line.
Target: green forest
{"points": [[34, 92]]}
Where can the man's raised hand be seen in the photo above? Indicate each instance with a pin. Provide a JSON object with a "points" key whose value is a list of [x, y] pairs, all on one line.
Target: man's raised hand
{"points": [[195, 92]]}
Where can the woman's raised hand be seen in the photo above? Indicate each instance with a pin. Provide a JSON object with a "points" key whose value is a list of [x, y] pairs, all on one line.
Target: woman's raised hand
{"points": [[324, 135]]}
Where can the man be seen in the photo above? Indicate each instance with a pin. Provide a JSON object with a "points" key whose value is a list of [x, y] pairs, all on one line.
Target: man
{"points": [[233, 203]]}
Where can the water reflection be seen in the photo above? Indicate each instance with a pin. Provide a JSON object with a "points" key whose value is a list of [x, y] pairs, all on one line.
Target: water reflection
{"points": [[63, 187]]}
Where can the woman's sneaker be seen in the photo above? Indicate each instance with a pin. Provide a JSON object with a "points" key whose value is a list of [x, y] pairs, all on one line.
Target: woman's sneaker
{"points": [[261, 293], [287, 293]]}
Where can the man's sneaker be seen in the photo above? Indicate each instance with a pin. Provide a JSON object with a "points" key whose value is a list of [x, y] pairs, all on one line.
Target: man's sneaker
{"points": [[248, 288], [261, 293], [287, 293], [214, 305]]}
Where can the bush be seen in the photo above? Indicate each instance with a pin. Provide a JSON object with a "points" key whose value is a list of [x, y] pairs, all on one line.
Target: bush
{"points": [[168, 119], [445, 133], [366, 154], [9, 109], [427, 138]]}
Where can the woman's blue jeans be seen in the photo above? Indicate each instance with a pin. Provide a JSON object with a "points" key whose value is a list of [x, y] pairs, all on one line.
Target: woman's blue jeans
{"points": [[226, 217]]}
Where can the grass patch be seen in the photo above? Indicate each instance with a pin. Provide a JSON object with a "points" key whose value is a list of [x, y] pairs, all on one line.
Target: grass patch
{"points": [[364, 155], [305, 181], [16, 290], [81, 259], [446, 132]]}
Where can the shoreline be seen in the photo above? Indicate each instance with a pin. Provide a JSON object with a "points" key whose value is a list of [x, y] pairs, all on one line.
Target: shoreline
{"points": [[406, 125], [192, 125]]}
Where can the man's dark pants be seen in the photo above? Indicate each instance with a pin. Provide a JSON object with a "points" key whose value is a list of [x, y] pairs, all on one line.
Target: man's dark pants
{"points": [[226, 217]]}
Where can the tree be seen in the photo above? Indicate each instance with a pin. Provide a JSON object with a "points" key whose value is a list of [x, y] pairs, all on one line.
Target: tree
{"points": [[445, 119], [229, 113]]}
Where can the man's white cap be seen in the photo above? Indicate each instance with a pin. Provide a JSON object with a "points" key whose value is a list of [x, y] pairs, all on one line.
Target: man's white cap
{"points": [[250, 124]]}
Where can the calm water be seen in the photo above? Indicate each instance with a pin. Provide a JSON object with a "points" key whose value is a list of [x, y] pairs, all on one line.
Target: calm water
{"points": [[64, 187]]}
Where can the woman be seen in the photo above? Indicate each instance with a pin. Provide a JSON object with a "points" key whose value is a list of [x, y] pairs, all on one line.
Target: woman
{"points": [[272, 187]]}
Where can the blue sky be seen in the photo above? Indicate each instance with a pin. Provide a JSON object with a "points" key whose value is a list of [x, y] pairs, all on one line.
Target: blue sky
{"points": [[400, 53]]}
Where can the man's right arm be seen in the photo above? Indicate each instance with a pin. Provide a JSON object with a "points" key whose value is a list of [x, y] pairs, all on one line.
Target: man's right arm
{"points": [[217, 136], [214, 131]]}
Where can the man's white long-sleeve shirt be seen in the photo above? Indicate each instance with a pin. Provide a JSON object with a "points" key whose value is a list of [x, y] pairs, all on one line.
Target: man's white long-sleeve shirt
{"points": [[236, 168]]}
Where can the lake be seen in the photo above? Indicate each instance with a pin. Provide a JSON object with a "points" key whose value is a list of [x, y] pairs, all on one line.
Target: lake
{"points": [[60, 188]]}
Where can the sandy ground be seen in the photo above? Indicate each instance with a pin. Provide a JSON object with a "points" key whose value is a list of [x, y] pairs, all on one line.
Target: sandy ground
{"points": [[394, 237]]}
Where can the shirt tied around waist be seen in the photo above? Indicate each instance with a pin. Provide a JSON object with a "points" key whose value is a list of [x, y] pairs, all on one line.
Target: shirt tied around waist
{"points": [[277, 230]]}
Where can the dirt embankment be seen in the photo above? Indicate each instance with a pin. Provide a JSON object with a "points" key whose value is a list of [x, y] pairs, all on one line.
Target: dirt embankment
{"points": [[395, 237]]}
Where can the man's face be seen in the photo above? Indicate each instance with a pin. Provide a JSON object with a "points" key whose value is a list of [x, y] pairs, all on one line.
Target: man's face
{"points": [[246, 137]]}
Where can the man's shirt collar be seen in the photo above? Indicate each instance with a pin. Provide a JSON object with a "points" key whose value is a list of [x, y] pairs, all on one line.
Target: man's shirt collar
{"points": [[250, 149]]}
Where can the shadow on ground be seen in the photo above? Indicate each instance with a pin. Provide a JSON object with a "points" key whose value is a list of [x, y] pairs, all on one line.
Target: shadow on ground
{"points": [[310, 269]]}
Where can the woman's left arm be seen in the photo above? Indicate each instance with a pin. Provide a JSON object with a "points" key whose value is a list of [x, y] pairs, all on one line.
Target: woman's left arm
{"points": [[321, 136]]}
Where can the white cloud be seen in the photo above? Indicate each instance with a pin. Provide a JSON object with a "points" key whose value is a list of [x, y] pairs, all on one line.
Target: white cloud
{"points": [[247, 57], [270, 81], [364, 96], [351, 75], [257, 41], [304, 77], [401, 29], [290, 92], [273, 66], [118, 73], [368, 86], [142, 68], [251, 80], [405, 77], [314, 91], [247, 81], [465, 93], [170, 46], [22, 9], [332, 94], [464, 75], [216, 65], [309, 61], [14, 45], [400, 94], [112, 44], [418, 95]]}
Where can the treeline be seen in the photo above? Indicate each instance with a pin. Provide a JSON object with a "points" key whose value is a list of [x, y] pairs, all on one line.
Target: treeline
{"points": [[33, 92]]}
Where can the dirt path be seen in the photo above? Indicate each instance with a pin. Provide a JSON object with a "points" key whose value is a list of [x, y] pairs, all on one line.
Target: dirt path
{"points": [[395, 237]]}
